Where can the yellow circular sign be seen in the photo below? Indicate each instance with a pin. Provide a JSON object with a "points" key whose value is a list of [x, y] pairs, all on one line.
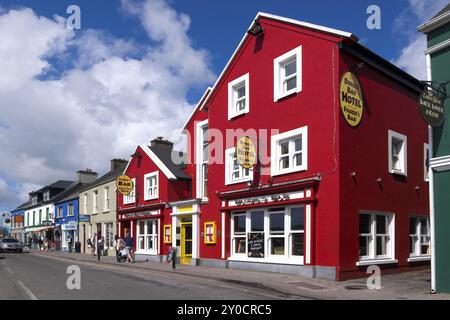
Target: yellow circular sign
{"points": [[351, 98], [124, 185], [245, 152]]}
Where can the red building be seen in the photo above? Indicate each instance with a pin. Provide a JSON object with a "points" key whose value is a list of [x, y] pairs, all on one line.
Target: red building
{"points": [[340, 176]]}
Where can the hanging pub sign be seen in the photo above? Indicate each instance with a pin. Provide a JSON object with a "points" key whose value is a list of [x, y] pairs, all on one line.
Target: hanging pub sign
{"points": [[255, 244], [431, 106], [124, 185], [245, 152], [351, 99]]}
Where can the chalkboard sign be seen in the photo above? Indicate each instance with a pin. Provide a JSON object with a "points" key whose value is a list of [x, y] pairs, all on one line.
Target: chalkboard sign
{"points": [[255, 244], [171, 255]]}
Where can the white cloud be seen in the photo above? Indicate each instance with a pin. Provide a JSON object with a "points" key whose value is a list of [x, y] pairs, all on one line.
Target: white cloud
{"points": [[412, 57], [116, 95]]}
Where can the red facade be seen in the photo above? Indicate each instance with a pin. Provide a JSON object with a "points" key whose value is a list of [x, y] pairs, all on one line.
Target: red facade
{"points": [[344, 177]]}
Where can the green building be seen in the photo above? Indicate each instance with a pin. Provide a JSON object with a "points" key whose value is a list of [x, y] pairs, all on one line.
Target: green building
{"points": [[437, 30]]}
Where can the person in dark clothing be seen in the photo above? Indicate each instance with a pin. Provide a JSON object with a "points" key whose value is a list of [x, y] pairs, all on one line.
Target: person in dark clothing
{"points": [[129, 247]]}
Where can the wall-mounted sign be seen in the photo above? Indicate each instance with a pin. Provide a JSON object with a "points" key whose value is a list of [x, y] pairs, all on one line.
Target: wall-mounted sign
{"points": [[351, 98], [246, 152], [124, 185], [431, 107], [140, 214], [255, 244], [267, 199], [18, 219]]}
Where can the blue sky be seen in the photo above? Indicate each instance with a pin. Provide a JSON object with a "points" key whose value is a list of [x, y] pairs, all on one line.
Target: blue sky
{"points": [[69, 88]]}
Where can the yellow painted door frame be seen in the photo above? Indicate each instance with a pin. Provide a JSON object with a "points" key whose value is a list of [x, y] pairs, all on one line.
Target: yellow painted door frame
{"points": [[186, 258]]}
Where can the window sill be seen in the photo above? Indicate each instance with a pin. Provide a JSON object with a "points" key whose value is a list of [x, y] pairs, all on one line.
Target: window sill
{"points": [[149, 199], [281, 96], [419, 258], [146, 253], [235, 115], [400, 173], [279, 173], [375, 262], [227, 183], [271, 259]]}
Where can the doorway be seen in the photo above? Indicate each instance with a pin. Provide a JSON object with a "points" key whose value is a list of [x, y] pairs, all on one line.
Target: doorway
{"points": [[186, 241]]}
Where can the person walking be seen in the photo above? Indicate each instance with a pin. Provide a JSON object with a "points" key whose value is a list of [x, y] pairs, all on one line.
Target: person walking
{"points": [[70, 245], [100, 246], [118, 245], [129, 247], [94, 244]]}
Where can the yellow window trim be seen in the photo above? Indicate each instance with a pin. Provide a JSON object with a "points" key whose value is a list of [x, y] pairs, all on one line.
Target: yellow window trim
{"points": [[205, 236]]}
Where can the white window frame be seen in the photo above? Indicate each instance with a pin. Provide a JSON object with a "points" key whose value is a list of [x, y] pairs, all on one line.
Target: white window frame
{"points": [[85, 203], [199, 159], [106, 204], [232, 86], [154, 234], [426, 153], [46, 196], [418, 234], [95, 201], [372, 257], [229, 169], [147, 177], [275, 151], [106, 235], [403, 156], [287, 258], [130, 198], [278, 63]]}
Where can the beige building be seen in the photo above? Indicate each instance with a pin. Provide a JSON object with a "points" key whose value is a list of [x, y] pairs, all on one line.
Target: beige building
{"points": [[98, 208]]}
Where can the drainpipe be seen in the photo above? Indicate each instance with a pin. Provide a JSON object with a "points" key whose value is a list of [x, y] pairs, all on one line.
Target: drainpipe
{"points": [[431, 193]]}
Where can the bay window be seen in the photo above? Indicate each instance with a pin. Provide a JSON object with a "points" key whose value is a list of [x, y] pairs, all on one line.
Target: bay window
{"points": [[419, 235], [289, 151], [151, 186], [234, 172], [376, 237], [288, 73]]}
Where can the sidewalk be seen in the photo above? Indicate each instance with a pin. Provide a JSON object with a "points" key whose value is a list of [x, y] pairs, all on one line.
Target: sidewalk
{"points": [[411, 285]]}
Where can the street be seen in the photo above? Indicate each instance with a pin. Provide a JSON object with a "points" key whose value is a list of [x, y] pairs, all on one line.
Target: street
{"points": [[27, 276]]}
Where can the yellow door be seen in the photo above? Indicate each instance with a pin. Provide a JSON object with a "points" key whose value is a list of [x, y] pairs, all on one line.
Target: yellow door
{"points": [[186, 242]]}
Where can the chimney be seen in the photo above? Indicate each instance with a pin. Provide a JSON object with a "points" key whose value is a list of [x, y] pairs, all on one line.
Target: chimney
{"points": [[115, 163], [86, 176], [162, 143]]}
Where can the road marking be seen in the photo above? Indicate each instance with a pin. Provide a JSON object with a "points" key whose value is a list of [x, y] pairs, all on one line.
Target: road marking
{"points": [[9, 270], [27, 291]]}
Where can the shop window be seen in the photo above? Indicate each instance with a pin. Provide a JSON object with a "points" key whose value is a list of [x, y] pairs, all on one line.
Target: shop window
{"points": [[238, 96], [288, 73], [130, 198], [397, 144], [419, 235], [167, 233], [202, 143], [210, 232], [282, 230], [151, 185], [289, 151], [147, 236], [234, 172], [376, 236], [426, 160]]}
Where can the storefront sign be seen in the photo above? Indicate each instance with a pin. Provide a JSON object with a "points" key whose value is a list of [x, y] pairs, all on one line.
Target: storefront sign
{"points": [[255, 244], [18, 219], [85, 218], [246, 152], [267, 199], [140, 214], [431, 107], [351, 98], [124, 185]]}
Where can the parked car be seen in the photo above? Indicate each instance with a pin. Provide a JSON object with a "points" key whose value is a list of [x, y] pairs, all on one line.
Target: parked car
{"points": [[10, 244]]}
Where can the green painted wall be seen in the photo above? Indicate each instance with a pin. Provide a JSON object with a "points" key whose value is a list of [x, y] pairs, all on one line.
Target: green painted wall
{"points": [[438, 35], [440, 62], [442, 207]]}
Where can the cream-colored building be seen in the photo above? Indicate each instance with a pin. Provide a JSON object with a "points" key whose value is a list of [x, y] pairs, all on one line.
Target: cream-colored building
{"points": [[98, 208]]}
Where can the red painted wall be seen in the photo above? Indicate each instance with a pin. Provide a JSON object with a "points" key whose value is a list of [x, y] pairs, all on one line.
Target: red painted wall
{"points": [[364, 149]]}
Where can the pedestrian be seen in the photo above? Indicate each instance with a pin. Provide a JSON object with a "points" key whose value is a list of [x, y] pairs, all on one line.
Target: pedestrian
{"points": [[129, 247], [118, 245], [70, 245], [100, 245], [94, 244]]}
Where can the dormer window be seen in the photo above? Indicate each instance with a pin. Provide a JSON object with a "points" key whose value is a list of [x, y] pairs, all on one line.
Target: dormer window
{"points": [[34, 200], [46, 196]]}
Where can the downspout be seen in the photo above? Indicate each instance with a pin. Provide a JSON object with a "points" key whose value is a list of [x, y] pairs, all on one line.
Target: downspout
{"points": [[431, 192]]}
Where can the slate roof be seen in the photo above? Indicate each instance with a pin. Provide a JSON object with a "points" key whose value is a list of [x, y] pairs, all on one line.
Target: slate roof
{"points": [[70, 193], [165, 155], [107, 177], [22, 206], [60, 184]]}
